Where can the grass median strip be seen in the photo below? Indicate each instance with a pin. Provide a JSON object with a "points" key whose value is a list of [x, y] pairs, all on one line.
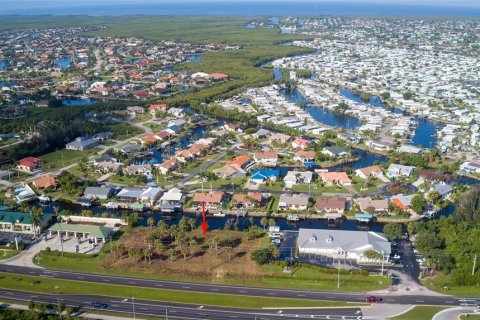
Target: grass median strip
{"points": [[47, 285], [419, 313]]}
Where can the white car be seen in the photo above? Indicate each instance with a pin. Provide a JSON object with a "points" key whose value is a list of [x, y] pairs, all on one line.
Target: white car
{"points": [[476, 310]]}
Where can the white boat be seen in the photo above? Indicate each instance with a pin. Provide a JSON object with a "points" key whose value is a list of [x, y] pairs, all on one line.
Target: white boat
{"points": [[111, 205], [219, 215], [293, 217], [44, 198]]}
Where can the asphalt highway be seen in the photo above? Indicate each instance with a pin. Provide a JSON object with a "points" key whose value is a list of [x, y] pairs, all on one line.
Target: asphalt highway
{"points": [[236, 290], [142, 308]]}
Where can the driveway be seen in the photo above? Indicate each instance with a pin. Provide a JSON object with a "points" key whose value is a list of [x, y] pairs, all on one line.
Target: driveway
{"points": [[452, 313]]}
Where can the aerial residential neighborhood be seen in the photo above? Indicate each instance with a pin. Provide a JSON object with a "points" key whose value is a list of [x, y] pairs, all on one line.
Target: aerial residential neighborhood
{"points": [[277, 160]]}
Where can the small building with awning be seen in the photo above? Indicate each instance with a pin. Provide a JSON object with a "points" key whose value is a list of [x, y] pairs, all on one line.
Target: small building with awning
{"points": [[22, 222], [93, 232]]}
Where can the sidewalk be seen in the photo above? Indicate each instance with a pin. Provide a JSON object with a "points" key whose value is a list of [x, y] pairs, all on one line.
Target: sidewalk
{"points": [[384, 311]]}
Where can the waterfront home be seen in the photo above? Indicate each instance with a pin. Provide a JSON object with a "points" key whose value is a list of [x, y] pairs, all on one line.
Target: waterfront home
{"points": [[212, 199], [300, 143], [249, 200], [176, 112], [335, 205], [262, 175], [402, 201], [296, 177], [410, 149], [140, 169], [293, 202], [135, 110], [102, 136], [102, 193], [398, 170], [230, 172], [342, 243], [262, 133], [168, 166], [243, 162], [21, 222], [335, 178], [369, 205], [335, 152], [45, 182], [304, 156], [81, 144], [171, 200], [29, 164], [443, 189], [371, 171], [470, 167], [139, 195], [379, 145], [130, 149], [268, 159]]}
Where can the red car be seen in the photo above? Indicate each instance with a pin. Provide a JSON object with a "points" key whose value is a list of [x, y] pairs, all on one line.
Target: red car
{"points": [[373, 299]]}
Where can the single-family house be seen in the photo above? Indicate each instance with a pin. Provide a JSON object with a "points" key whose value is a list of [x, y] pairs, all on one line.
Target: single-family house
{"points": [[398, 170], [102, 193], [371, 171], [335, 178], [45, 182], [249, 200], [171, 201], [300, 143], [369, 205], [230, 172], [243, 161], [297, 177], [402, 201], [293, 202], [268, 159], [212, 199], [29, 164], [262, 175], [335, 152], [304, 156], [140, 169], [331, 205], [81, 144]]}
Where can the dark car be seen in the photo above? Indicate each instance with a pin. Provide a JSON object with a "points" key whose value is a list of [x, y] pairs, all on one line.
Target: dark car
{"points": [[98, 305], [373, 299]]}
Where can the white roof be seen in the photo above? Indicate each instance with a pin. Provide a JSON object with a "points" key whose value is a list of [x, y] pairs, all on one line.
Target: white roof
{"points": [[172, 195]]}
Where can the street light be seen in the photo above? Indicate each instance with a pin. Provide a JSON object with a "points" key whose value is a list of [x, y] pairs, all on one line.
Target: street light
{"points": [[338, 274], [383, 260]]}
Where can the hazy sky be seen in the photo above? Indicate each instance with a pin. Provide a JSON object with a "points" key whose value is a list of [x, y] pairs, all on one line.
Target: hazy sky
{"points": [[53, 3]]}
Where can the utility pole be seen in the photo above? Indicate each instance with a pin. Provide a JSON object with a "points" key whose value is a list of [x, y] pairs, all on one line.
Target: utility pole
{"points": [[474, 264], [383, 260], [133, 307], [338, 274], [166, 314]]}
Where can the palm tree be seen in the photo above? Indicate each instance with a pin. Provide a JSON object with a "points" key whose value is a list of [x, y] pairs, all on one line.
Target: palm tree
{"points": [[59, 308], [150, 221], [264, 222], [171, 253], [147, 254], [271, 222], [213, 242], [229, 251], [159, 248]]}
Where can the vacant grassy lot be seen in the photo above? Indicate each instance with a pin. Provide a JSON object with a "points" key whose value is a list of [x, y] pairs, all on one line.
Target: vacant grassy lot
{"points": [[420, 313], [62, 158], [39, 284], [5, 254]]}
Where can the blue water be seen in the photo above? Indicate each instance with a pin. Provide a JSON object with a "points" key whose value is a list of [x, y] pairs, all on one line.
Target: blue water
{"points": [[3, 65], [9, 83], [423, 134], [365, 159], [78, 102], [277, 74], [332, 118], [63, 62], [425, 130], [195, 58], [277, 8]]}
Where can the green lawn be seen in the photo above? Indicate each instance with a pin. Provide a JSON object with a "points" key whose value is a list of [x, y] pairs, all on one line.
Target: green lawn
{"points": [[303, 278], [5, 254], [129, 181], [443, 284], [62, 158], [470, 317], [420, 313], [47, 285]]}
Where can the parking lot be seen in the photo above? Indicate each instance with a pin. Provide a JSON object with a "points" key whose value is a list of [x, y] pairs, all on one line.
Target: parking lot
{"points": [[8, 238]]}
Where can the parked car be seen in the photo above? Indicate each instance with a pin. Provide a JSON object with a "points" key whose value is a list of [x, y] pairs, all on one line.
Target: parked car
{"points": [[476, 310], [373, 299]]}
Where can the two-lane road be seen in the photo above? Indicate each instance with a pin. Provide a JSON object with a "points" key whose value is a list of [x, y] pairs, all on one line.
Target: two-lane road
{"points": [[227, 289]]}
